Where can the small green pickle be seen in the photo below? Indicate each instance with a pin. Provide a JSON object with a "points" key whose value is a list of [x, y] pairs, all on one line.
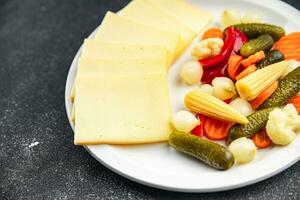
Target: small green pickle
{"points": [[253, 30], [262, 43], [257, 121], [288, 87], [213, 154]]}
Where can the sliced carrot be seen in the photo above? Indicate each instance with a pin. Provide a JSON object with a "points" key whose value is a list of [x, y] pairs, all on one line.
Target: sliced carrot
{"points": [[213, 33], [264, 95], [296, 102], [246, 72], [234, 66], [289, 46], [292, 54], [216, 129], [293, 35], [261, 139], [255, 58], [199, 130]]}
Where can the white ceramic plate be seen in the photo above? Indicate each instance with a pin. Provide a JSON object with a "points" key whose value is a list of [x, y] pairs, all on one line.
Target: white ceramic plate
{"points": [[159, 166]]}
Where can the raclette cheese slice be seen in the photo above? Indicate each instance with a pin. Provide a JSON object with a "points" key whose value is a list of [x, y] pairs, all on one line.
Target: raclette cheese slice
{"points": [[102, 68], [122, 110], [102, 50], [93, 49], [152, 16], [117, 29], [194, 18]]}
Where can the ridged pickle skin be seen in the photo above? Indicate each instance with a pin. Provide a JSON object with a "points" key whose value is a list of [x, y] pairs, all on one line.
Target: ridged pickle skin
{"points": [[262, 43], [272, 56], [253, 30], [211, 153], [288, 87], [257, 121]]}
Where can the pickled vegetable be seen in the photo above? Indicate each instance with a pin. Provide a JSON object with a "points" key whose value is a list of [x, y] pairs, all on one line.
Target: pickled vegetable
{"points": [[253, 30], [288, 87], [283, 124], [262, 43], [191, 72], [257, 121], [223, 88], [243, 149], [243, 106], [185, 121], [210, 153], [273, 56]]}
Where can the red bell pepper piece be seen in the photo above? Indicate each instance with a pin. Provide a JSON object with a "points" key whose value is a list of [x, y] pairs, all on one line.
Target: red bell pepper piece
{"points": [[199, 130], [225, 52], [210, 73], [220, 70], [240, 39]]}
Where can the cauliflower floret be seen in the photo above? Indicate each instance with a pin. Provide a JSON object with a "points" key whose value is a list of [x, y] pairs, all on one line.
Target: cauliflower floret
{"points": [[207, 48], [282, 125]]}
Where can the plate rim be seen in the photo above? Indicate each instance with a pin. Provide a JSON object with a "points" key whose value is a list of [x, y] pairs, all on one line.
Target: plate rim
{"points": [[70, 79]]}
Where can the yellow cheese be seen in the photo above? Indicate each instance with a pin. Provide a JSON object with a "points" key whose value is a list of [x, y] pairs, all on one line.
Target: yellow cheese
{"points": [[191, 16], [122, 110], [152, 16], [103, 68], [108, 51], [101, 50], [117, 29]]}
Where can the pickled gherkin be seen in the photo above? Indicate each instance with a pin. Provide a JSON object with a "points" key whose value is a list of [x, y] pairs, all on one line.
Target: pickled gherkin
{"points": [[257, 121], [253, 30], [288, 87], [262, 43], [211, 153]]}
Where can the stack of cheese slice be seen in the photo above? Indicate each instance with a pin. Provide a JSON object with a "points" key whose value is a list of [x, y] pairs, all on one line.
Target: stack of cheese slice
{"points": [[121, 93]]}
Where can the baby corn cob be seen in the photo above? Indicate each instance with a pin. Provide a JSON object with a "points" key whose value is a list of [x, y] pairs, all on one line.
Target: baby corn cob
{"points": [[252, 85], [208, 105]]}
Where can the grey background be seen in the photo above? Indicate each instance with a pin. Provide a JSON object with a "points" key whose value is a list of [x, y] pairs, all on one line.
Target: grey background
{"points": [[38, 40]]}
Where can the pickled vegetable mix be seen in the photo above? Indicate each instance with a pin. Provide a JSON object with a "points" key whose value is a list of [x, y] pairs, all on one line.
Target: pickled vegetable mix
{"points": [[246, 74]]}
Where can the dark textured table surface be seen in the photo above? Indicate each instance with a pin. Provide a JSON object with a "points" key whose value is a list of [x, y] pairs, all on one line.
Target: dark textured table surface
{"points": [[38, 39]]}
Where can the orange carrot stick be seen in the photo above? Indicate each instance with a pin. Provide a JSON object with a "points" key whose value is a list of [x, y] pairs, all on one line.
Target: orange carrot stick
{"points": [[234, 66], [246, 72], [255, 58], [264, 95]]}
